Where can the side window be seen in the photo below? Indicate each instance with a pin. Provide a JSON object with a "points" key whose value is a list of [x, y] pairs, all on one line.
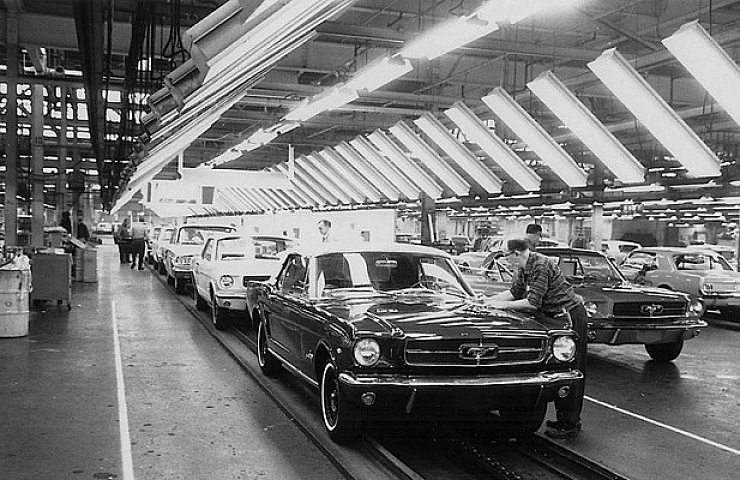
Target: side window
{"points": [[208, 250], [292, 279]]}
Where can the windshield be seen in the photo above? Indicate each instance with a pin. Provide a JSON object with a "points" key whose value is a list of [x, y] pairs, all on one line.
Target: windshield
{"points": [[395, 272], [264, 248], [196, 235], [700, 261], [587, 268]]}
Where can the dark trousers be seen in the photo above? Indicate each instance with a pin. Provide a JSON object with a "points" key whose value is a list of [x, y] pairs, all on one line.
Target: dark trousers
{"points": [[569, 408], [124, 250], [138, 246]]}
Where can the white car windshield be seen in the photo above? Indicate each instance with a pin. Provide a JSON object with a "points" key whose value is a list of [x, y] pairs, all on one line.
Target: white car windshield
{"points": [[196, 235]]}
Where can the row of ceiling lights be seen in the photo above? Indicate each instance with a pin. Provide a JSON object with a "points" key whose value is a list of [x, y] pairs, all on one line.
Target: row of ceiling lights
{"points": [[709, 64], [617, 74]]}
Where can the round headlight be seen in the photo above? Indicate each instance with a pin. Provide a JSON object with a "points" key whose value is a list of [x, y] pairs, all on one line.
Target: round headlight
{"points": [[367, 352], [696, 307], [591, 308], [226, 281], [564, 348]]}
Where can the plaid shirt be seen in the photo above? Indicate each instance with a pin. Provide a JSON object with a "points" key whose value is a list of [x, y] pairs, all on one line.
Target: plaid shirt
{"points": [[542, 283]]}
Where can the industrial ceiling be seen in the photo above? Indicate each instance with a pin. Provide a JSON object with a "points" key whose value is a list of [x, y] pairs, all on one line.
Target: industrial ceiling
{"points": [[201, 109]]}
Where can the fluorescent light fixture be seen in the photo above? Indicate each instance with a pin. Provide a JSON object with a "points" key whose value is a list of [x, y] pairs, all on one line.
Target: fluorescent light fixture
{"points": [[227, 156], [262, 137], [379, 73], [355, 181], [535, 137], [447, 37], [322, 181], [458, 153], [659, 118], [302, 186], [588, 128], [395, 176], [334, 98], [315, 184], [284, 127], [322, 162], [478, 133], [366, 170], [429, 157], [394, 153], [705, 59], [514, 11]]}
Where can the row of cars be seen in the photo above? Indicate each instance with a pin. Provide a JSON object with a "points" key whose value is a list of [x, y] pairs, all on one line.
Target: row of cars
{"points": [[399, 329]]}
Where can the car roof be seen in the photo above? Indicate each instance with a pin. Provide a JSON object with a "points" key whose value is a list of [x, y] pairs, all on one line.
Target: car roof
{"points": [[362, 247], [674, 250], [225, 236], [568, 250]]}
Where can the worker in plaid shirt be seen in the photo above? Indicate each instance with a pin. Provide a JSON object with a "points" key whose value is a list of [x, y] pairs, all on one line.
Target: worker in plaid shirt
{"points": [[539, 285]]}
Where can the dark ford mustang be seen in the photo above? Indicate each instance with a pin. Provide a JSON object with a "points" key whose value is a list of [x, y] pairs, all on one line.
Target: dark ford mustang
{"points": [[395, 329], [619, 312]]}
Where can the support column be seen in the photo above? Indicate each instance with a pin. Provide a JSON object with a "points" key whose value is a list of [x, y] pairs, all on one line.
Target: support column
{"points": [[597, 219], [37, 165], [11, 136], [427, 219], [61, 199]]}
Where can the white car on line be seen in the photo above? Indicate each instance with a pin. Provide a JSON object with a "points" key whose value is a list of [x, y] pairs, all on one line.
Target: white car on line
{"points": [[227, 263], [186, 243]]}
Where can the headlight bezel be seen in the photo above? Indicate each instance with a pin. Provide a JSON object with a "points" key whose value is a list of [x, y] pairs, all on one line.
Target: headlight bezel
{"points": [[226, 282], [592, 308], [564, 348], [366, 352]]}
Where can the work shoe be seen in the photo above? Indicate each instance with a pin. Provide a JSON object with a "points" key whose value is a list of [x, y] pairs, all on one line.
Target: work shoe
{"points": [[560, 432]]}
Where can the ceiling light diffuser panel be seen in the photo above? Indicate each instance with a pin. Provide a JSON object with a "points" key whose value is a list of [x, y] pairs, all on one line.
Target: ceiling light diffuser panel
{"points": [[448, 36], [584, 124], [394, 153], [328, 167], [344, 170], [367, 170], [655, 114], [313, 165], [386, 168], [536, 138], [379, 73], [434, 129], [705, 59], [477, 132], [426, 154]]}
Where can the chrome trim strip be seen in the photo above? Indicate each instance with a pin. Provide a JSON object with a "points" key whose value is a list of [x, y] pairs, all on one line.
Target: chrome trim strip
{"points": [[536, 379], [293, 369]]}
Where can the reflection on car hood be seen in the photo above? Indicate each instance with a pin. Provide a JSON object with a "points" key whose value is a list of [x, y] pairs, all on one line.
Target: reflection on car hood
{"points": [[713, 275], [384, 315], [625, 292], [185, 249]]}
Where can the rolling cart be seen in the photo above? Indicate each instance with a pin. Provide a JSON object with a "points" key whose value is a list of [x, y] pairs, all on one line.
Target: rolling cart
{"points": [[52, 278]]}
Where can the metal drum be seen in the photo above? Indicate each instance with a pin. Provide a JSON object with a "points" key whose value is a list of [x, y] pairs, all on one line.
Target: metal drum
{"points": [[14, 292]]}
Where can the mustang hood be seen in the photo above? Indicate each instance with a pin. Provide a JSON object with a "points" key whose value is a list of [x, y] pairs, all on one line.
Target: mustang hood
{"points": [[626, 293], [430, 318]]}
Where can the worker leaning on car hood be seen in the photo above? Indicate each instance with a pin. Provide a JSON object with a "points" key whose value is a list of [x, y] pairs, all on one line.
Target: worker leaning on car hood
{"points": [[538, 284]]}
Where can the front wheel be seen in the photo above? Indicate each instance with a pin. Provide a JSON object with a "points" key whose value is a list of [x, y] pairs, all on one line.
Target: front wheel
{"points": [[200, 304], [340, 418], [269, 365], [180, 286], [664, 352], [219, 316]]}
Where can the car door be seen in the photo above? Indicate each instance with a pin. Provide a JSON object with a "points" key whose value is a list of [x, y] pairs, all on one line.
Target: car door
{"points": [[284, 306], [202, 268]]}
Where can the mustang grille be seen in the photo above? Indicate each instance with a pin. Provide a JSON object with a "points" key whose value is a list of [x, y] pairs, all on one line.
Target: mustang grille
{"points": [[491, 351], [257, 278], [649, 309]]}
